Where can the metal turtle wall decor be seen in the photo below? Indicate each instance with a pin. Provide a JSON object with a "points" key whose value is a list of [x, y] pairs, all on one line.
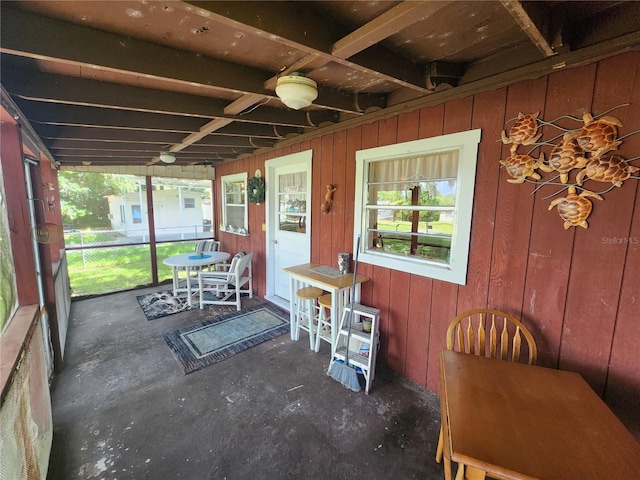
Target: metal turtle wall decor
{"points": [[584, 152]]}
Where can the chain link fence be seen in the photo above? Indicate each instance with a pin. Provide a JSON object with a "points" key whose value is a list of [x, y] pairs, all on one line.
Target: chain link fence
{"points": [[104, 261]]}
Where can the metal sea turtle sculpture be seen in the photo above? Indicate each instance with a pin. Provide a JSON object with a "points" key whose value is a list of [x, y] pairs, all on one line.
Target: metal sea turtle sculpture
{"points": [[574, 209], [522, 166], [599, 136], [565, 156], [612, 169], [523, 132]]}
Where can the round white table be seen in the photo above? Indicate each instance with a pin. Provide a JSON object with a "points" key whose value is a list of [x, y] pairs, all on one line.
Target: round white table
{"points": [[189, 262]]}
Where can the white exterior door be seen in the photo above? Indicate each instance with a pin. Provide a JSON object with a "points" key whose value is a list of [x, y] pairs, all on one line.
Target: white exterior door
{"points": [[288, 220]]}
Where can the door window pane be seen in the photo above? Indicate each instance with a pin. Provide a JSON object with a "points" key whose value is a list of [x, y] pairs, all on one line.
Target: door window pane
{"points": [[292, 202]]}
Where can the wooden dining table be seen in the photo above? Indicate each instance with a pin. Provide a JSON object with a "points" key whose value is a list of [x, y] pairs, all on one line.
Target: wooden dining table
{"points": [[327, 279], [515, 421]]}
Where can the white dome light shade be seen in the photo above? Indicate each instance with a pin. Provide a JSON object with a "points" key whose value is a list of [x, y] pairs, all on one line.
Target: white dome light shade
{"points": [[167, 157], [296, 91]]}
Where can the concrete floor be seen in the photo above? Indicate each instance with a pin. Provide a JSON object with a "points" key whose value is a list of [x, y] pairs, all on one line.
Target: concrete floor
{"points": [[123, 409]]}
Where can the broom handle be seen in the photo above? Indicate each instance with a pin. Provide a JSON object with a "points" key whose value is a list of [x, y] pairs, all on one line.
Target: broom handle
{"points": [[353, 293]]}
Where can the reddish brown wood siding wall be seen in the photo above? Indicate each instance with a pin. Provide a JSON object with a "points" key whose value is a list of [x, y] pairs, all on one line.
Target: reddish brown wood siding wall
{"points": [[578, 294]]}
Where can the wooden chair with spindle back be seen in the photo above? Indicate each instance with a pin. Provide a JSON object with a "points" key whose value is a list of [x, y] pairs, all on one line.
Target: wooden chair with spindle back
{"points": [[487, 333]]}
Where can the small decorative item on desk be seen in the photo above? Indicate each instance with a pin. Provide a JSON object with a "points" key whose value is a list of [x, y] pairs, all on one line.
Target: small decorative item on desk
{"points": [[344, 259]]}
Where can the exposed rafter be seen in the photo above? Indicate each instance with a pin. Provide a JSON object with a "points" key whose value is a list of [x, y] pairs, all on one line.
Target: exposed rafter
{"points": [[119, 82], [528, 26]]}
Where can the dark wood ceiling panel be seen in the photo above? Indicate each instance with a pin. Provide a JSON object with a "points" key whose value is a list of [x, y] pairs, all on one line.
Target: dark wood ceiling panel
{"points": [[30, 35], [114, 83]]}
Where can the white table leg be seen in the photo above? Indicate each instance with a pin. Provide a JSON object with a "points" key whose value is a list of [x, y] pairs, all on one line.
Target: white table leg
{"points": [[336, 311], [292, 305], [175, 281], [188, 286]]}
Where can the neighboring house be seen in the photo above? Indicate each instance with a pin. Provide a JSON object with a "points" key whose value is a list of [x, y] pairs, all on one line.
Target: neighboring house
{"points": [[179, 213]]}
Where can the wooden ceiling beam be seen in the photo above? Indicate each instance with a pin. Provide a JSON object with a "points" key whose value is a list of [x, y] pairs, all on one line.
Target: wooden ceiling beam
{"points": [[528, 26], [109, 161], [389, 23], [47, 87], [160, 140], [145, 154], [281, 22], [79, 133], [92, 117], [100, 51]]}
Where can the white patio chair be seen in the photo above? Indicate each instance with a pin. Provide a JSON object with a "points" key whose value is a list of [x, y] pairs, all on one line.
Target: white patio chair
{"points": [[227, 281], [207, 246]]}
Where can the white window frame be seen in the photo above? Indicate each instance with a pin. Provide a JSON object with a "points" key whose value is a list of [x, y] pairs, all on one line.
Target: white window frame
{"points": [[466, 143], [189, 202], [225, 227]]}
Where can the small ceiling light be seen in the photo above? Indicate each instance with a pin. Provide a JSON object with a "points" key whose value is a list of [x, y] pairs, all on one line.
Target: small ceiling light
{"points": [[296, 91], [167, 157]]}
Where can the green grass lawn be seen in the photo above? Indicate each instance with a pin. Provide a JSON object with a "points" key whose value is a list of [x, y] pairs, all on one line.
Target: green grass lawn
{"points": [[434, 246], [118, 268], [443, 228]]}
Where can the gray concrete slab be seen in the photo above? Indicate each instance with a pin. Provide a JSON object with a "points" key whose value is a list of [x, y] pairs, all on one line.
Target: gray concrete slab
{"points": [[123, 409]]}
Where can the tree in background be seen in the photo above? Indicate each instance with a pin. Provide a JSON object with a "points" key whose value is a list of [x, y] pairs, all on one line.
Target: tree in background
{"points": [[82, 197]]}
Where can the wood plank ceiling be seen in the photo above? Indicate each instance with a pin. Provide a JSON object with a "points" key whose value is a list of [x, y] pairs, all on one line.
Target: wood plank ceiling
{"points": [[107, 83]]}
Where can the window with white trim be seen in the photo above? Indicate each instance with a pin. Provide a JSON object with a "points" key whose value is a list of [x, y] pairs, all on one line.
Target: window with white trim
{"points": [[414, 202], [234, 204]]}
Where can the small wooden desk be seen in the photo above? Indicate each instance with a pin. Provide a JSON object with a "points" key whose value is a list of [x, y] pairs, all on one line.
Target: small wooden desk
{"points": [[515, 421], [189, 261], [301, 276]]}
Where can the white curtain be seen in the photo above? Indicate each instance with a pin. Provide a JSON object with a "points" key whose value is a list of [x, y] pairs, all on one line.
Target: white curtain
{"points": [[410, 171]]}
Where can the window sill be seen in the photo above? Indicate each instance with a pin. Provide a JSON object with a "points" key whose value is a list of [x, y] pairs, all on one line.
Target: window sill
{"points": [[234, 232], [13, 342]]}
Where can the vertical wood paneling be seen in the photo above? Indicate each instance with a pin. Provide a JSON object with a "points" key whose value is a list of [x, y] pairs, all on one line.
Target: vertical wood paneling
{"points": [[623, 380], [397, 318], [257, 239], [388, 131], [457, 118], [408, 126], [354, 143], [418, 326], [514, 212], [338, 208], [317, 194], [381, 290], [580, 298], [569, 92], [326, 219], [488, 114], [596, 274]]}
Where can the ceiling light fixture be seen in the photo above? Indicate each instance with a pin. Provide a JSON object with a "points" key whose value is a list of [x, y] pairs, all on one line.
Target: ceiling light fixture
{"points": [[167, 157], [296, 90]]}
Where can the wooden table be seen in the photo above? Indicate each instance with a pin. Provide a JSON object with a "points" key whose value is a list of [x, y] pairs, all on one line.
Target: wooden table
{"points": [[340, 287], [189, 261], [516, 421]]}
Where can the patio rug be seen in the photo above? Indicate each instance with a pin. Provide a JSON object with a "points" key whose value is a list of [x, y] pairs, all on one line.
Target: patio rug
{"points": [[205, 343], [160, 304]]}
